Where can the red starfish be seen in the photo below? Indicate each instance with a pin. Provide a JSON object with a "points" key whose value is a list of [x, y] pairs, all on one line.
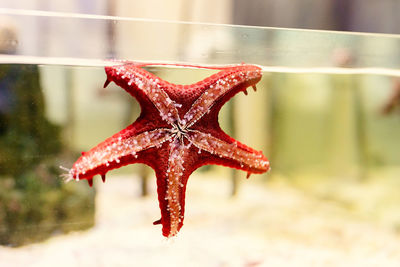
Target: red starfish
{"points": [[176, 133]]}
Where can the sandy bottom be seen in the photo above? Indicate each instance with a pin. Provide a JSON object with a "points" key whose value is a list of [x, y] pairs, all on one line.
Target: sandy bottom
{"points": [[262, 226]]}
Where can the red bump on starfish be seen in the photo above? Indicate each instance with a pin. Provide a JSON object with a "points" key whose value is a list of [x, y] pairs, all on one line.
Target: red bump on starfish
{"points": [[176, 133]]}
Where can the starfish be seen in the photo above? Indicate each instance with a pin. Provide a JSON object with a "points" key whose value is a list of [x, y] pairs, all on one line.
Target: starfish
{"points": [[176, 133]]}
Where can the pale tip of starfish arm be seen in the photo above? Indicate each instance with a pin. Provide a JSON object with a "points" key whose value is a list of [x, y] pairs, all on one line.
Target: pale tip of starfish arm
{"points": [[170, 239]]}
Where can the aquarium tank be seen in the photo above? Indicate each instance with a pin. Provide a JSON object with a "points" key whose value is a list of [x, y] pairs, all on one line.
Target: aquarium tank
{"points": [[326, 114]]}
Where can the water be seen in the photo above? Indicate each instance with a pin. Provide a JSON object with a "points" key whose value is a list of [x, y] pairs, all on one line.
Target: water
{"points": [[318, 115], [305, 120]]}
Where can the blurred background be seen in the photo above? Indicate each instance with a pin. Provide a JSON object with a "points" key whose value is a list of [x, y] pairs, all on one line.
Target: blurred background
{"points": [[326, 114]]}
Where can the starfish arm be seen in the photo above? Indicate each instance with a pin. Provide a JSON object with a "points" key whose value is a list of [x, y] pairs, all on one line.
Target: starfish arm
{"points": [[171, 184], [221, 83], [143, 84], [116, 151], [231, 154]]}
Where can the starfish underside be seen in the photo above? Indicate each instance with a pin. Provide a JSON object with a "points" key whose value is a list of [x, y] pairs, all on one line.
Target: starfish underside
{"points": [[176, 133]]}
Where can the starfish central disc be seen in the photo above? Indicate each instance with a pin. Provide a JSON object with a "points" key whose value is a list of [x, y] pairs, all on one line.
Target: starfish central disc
{"points": [[179, 131], [176, 133]]}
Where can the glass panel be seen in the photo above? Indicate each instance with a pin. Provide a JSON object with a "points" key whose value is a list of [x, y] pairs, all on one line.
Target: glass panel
{"points": [[53, 37]]}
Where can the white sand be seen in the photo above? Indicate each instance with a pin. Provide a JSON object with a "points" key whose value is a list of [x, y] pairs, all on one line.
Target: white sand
{"points": [[262, 226]]}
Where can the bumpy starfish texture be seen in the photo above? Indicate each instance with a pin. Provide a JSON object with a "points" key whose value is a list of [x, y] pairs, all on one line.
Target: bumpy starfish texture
{"points": [[176, 133]]}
